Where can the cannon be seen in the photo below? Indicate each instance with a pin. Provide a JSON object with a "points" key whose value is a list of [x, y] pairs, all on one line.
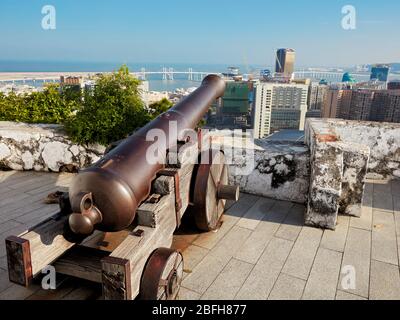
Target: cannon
{"points": [[117, 221], [106, 195]]}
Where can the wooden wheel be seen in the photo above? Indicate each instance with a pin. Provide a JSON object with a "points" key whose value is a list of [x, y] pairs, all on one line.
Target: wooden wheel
{"points": [[211, 190], [162, 275]]}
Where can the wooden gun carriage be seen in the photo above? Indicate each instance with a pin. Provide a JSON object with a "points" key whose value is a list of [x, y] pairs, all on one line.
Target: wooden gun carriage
{"points": [[134, 261]]}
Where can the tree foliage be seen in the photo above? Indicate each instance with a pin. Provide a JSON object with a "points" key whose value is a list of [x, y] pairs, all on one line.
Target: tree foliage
{"points": [[110, 112], [160, 107]]}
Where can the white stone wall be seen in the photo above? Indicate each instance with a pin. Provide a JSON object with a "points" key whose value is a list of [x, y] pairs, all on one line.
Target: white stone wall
{"points": [[42, 147], [278, 170], [383, 139]]}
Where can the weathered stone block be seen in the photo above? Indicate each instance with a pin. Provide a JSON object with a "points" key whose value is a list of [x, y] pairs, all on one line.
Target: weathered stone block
{"points": [[325, 186], [382, 139], [278, 170], [355, 161]]}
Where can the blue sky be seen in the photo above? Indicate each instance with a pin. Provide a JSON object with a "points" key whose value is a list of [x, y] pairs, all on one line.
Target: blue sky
{"points": [[201, 31]]}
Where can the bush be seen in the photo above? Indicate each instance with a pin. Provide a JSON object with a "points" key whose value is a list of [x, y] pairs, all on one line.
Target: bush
{"points": [[47, 106], [110, 112]]}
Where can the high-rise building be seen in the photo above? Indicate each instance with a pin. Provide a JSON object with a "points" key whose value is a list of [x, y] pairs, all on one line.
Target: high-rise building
{"points": [[361, 103], [386, 106], [379, 107], [394, 85], [279, 106], [233, 110], [316, 97], [336, 103], [380, 72], [285, 59]]}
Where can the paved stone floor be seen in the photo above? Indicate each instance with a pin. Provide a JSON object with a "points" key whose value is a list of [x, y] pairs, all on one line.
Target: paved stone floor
{"points": [[262, 250]]}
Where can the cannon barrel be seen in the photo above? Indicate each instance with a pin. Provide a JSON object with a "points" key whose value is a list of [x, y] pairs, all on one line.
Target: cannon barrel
{"points": [[106, 196]]}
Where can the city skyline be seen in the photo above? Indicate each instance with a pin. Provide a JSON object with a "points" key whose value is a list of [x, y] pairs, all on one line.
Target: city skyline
{"points": [[203, 32]]}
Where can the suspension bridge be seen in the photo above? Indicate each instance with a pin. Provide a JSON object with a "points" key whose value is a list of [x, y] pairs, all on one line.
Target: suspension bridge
{"points": [[167, 74]]}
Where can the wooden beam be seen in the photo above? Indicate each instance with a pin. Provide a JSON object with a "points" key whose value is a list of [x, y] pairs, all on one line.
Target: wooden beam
{"points": [[19, 261], [116, 278], [47, 242], [82, 262]]}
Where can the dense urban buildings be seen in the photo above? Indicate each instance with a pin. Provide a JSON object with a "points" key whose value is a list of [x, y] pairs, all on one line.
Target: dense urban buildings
{"points": [[362, 104]]}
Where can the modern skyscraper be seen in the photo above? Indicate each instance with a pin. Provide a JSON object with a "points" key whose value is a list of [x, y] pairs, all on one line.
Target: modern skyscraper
{"points": [[279, 106], [380, 72], [285, 59]]}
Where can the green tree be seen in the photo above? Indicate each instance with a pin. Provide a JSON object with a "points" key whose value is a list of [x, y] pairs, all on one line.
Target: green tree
{"points": [[159, 107], [110, 112]]}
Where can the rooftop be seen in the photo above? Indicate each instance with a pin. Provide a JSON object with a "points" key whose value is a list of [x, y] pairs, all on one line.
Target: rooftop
{"points": [[262, 250]]}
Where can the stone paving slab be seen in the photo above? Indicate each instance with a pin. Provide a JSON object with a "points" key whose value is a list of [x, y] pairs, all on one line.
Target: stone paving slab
{"points": [[322, 283], [255, 214], [344, 296], [357, 254], [365, 221], [336, 240], [254, 246], [267, 270], [229, 281], [287, 288], [211, 266], [292, 225], [385, 281], [302, 256], [384, 240]]}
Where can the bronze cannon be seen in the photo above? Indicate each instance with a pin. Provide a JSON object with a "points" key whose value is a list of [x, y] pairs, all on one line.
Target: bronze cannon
{"points": [[135, 206], [106, 196]]}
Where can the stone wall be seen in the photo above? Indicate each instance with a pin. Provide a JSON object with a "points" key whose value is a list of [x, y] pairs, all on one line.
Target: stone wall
{"points": [[42, 148], [278, 170], [383, 139]]}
